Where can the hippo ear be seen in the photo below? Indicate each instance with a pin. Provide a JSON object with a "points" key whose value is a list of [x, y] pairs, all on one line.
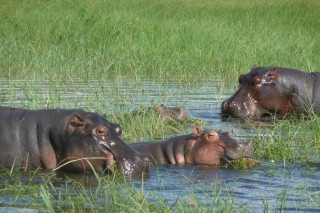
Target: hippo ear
{"points": [[77, 121], [196, 131], [242, 78], [272, 73]]}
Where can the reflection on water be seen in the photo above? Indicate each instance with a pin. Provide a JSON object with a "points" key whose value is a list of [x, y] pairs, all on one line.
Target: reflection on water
{"points": [[290, 188]]}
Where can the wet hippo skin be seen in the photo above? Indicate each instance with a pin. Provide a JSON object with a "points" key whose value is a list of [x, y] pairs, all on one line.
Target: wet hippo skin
{"points": [[200, 147], [47, 138], [274, 90]]}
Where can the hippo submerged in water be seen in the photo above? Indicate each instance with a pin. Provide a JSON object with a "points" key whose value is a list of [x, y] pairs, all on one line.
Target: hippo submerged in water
{"points": [[207, 147], [273, 90], [169, 112], [47, 138], [165, 112]]}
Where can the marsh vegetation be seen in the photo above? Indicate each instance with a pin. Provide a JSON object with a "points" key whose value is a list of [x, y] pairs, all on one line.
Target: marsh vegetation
{"points": [[113, 57]]}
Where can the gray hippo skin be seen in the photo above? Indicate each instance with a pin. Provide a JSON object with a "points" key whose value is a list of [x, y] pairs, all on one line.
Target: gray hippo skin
{"points": [[206, 147], [47, 138], [274, 90], [168, 112]]}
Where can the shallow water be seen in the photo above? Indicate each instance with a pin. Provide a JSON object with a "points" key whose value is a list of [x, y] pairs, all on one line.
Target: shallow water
{"points": [[281, 187]]}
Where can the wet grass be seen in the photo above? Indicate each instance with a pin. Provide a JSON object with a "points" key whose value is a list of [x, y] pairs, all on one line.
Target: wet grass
{"points": [[280, 142], [67, 192], [151, 126], [292, 140]]}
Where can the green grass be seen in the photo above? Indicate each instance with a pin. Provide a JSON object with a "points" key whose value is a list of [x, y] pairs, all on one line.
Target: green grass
{"points": [[89, 193], [292, 140], [148, 125], [287, 142], [159, 39]]}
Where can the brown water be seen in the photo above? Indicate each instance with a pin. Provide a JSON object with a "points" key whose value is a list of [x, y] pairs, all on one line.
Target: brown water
{"points": [[271, 187]]}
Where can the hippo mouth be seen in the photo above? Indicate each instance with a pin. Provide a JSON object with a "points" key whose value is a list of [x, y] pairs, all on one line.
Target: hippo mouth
{"points": [[238, 150], [249, 108], [129, 165], [105, 148]]}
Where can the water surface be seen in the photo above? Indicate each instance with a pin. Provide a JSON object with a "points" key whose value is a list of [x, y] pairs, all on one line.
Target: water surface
{"points": [[271, 187]]}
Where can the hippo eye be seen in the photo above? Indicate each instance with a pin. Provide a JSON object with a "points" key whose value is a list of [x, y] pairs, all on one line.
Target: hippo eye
{"points": [[255, 81], [101, 131], [252, 83]]}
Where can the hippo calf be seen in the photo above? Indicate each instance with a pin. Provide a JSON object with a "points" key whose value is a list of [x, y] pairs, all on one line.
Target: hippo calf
{"points": [[168, 112], [165, 112], [274, 90], [201, 147], [47, 138]]}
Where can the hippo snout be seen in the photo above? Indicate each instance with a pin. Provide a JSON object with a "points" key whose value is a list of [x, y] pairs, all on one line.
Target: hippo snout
{"points": [[238, 150], [134, 166], [240, 108], [248, 150], [227, 108], [224, 105]]}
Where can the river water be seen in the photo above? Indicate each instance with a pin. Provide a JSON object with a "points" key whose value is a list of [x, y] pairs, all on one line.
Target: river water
{"points": [[271, 187]]}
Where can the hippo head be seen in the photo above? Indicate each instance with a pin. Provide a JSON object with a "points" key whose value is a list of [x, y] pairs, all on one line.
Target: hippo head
{"points": [[259, 94], [93, 144], [169, 113], [211, 146]]}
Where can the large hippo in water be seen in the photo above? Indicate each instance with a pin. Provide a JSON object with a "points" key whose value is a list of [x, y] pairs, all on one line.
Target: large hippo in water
{"points": [[47, 138], [274, 90], [201, 147]]}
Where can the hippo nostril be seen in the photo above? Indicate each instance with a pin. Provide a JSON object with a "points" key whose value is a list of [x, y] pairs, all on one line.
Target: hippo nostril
{"points": [[233, 103], [229, 104]]}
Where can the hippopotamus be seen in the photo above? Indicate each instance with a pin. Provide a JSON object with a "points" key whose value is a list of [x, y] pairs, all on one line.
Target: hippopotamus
{"points": [[165, 112], [168, 112], [274, 91], [206, 147], [80, 141]]}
